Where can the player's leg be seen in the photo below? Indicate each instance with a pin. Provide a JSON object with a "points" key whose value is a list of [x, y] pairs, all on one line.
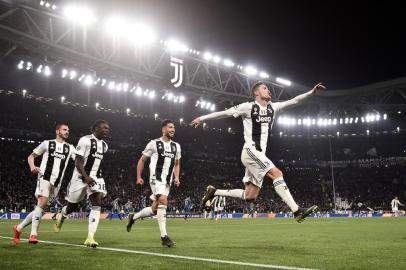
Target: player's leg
{"points": [[161, 218], [73, 198], [94, 217], [283, 191], [143, 213], [42, 202]]}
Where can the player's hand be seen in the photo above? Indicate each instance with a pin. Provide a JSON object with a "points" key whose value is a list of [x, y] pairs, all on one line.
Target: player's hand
{"points": [[35, 170], [196, 122], [140, 181], [177, 182], [318, 87], [89, 181]]}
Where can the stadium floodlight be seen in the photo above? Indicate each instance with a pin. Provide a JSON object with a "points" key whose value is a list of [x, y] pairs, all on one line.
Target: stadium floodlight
{"points": [[81, 77], [197, 103], [54, 7], [263, 75], [125, 86], [176, 46], [181, 99], [103, 82], [79, 14], [176, 99], [119, 87], [47, 4], [64, 73], [146, 92], [385, 116], [72, 74], [151, 94], [202, 104], [208, 105], [338, 133], [319, 122], [341, 121], [20, 65], [204, 125], [97, 104], [377, 117], [216, 59], [41, 3], [138, 91], [207, 56], [280, 133], [367, 131], [62, 99], [228, 63], [181, 120], [116, 26], [24, 92], [111, 85], [356, 120], [250, 70], [39, 69], [213, 107], [399, 112], [398, 129], [47, 71], [346, 120], [88, 80], [156, 116], [362, 119], [170, 96], [142, 34], [335, 121], [28, 66], [313, 121], [128, 110], [351, 120], [284, 81], [299, 122], [329, 122]]}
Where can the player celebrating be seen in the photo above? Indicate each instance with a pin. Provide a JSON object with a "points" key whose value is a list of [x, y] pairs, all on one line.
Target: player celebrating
{"points": [[165, 157], [258, 117], [88, 178], [395, 206], [55, 156]]}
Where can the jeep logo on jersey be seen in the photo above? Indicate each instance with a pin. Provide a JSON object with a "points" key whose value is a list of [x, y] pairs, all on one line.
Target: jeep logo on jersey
{"points": [[167, 154], [177, 79], [263, 119], [58, 155]]}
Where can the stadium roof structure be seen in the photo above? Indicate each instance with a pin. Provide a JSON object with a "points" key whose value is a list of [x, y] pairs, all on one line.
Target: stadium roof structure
{"points": [[26, 27]]}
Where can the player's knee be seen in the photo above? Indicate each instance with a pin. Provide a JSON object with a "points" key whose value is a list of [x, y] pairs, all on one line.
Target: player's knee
{"points": [[274, 173]]}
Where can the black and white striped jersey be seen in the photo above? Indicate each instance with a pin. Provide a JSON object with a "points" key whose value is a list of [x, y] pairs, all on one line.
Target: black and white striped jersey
{"points": [[218, 202], [257, 119], [55, 158], [93, 151], [163, 156]]}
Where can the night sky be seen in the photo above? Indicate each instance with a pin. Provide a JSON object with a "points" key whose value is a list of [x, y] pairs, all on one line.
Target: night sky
{"points": [[343, 43]]}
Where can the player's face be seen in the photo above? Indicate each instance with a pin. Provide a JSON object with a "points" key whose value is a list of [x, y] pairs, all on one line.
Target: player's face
{"points": [[263, 92], [63, 132], [103, 131], [169, 130]]}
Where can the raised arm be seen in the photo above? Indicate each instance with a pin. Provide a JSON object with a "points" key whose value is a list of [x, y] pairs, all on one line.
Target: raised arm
{"points": [[298, 99]]}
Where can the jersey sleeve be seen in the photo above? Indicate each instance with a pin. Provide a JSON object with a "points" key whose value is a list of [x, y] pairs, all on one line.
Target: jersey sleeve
{"points": [[178, 153], [279, 106], [149, 149], [83, 145], [72, 152], [40, 149], [240, 110]]}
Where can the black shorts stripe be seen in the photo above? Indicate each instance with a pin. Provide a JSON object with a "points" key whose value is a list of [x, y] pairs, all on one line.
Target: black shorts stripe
{"points": [[253, 157]]}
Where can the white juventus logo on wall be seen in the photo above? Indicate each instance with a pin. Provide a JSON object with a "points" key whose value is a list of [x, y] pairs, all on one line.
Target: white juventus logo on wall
{"points": [[177, 79]]}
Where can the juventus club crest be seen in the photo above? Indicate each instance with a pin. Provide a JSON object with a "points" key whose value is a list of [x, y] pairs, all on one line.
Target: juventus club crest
{"points": [[177, 64]]}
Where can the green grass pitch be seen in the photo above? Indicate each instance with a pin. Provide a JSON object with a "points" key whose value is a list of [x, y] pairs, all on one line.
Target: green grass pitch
{"points": [[323, 243]]}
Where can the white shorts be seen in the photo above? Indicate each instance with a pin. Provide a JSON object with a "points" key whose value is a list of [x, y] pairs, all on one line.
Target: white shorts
{"points": [[158, 188], [256, 165], [395, 209], [77, 190], [46, 189], [218, 209]]}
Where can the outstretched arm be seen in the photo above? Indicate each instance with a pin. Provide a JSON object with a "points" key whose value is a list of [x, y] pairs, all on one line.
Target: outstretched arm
{"points": [[296, 100], [212, 116]]}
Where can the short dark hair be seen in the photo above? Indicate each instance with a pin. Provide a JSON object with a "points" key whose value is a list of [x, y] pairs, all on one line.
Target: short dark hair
{"points": [[166, 122], [58, 125], [97, 123], [255, 86]]}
